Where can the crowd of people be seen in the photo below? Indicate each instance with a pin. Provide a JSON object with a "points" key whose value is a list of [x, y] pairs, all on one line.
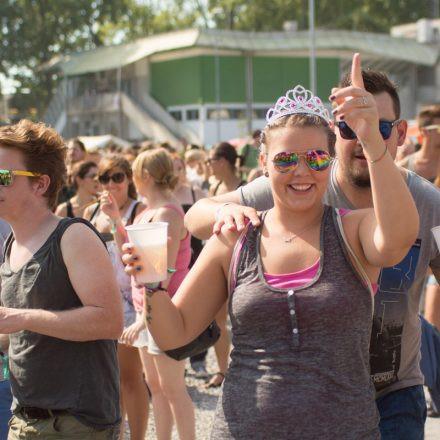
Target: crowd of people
{"points": [[315, 263]]}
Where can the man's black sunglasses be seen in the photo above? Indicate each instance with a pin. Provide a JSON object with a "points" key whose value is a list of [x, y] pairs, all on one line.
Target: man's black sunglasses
{"points": [[117, 178], [385, 128]]}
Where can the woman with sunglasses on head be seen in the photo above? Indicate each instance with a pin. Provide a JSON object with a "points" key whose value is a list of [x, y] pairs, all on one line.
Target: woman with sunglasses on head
{"points": [[85, 183], [155, 180], [222, 164], [300, 285], [116, 208]]}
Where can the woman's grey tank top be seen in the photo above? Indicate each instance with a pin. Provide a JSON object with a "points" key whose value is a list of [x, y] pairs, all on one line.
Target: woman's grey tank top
{"points": [[300, 364], [51, 373]]}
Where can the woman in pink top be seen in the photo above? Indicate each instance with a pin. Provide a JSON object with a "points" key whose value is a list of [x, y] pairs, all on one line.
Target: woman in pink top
{"points": [[155, 179]]}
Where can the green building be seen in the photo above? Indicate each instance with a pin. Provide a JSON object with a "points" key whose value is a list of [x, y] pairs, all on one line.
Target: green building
{"points": [[205, 85]]}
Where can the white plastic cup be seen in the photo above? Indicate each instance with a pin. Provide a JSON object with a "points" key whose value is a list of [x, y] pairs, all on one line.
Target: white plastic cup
{"points": [[150, 241], [436, 233]]}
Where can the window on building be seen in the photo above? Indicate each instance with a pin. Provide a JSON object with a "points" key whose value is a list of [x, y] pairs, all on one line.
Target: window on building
{"points": [[221, 113], [75, 128], [192, 115], [237, 113], [260, 113], [177, 115], [87, 128]]}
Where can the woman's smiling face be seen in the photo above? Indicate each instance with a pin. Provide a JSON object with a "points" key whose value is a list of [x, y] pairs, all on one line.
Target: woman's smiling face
{"points": [[301, 187]]}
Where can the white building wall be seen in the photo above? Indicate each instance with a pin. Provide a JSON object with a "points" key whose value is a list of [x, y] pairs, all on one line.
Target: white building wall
{"points": [[211, 130]]}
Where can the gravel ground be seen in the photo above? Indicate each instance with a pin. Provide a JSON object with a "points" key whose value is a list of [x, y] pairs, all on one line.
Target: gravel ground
{"points": [[205, 402]]}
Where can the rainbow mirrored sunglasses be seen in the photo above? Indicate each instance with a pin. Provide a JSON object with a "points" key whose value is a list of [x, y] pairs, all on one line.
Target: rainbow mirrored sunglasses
{"points": [[6, 176], [316, 160]]}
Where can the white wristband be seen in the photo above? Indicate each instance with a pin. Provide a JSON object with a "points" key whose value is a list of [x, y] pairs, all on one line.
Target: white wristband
{"points": [[217, 211]]}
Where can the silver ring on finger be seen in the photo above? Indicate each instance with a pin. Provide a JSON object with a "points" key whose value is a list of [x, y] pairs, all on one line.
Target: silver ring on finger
{"points": [[364, 100]]}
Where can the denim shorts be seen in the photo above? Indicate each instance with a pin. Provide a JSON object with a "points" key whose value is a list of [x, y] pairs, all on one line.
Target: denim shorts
{"points": [[403, 414]]}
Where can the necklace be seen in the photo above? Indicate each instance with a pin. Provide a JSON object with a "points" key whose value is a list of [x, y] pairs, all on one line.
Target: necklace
{"points": [[124, 205], [289, 240]]}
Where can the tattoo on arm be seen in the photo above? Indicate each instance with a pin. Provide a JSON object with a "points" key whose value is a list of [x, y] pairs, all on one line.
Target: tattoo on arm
{"points": [[149, 310], [148, 295]]}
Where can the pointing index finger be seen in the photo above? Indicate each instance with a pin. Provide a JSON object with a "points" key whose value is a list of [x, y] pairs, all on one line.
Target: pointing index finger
{"points": [[356, 72]]}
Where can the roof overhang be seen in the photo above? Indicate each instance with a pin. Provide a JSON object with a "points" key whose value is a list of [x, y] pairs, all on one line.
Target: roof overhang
{"points": [[374, 47]]}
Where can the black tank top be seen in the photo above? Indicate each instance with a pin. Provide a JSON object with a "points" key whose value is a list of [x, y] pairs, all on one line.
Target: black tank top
{"points": [[196, 244], [51, 373]]}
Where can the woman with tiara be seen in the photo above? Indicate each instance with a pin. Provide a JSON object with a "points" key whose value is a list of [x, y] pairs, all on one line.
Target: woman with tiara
{"points": [[300, 285]]}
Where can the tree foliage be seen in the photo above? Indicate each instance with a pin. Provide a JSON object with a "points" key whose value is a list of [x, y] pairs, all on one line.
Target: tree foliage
{"points": [[33, 31], [360, 15]]}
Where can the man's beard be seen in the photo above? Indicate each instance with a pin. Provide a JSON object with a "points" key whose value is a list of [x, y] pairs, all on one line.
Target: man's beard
{"points": [[360, 178]]}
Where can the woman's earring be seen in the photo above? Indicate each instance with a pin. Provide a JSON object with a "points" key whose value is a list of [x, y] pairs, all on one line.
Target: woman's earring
{"points": [[266, 173]]}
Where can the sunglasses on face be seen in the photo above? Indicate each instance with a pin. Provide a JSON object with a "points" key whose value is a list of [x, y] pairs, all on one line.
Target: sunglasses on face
{"points": [[6, 176], [316, 160], [116, 178], [385, 128]]}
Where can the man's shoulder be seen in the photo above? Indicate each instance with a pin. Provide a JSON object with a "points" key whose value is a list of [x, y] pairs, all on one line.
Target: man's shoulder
{"points": [[243, 148], [76, 228], [422, 189], [257, 194], [427, 199]]}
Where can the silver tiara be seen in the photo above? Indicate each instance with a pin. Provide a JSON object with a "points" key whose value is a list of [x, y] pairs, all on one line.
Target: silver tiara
{"points": [[297, 101]]}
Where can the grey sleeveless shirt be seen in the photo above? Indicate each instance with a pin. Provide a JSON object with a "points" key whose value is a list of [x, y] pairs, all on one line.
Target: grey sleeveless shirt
{"points": [[300, 364], [51, 373]]}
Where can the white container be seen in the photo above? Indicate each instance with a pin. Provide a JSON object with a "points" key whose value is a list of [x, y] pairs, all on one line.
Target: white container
{"points": [[150, 241], [436, 233]]}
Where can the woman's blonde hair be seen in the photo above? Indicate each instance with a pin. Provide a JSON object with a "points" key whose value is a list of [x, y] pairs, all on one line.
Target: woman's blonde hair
{"points": [[195, 155], [158, 163]]}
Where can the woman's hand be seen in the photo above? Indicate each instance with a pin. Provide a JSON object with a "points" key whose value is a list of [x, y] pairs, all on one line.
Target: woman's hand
{"points": [[133, 263], [109, 206], [131, 333], [130, 259], [357, 107]]}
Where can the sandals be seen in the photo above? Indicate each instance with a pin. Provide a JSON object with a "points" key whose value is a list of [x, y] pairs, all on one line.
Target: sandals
{"points": [[215, 381]]}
